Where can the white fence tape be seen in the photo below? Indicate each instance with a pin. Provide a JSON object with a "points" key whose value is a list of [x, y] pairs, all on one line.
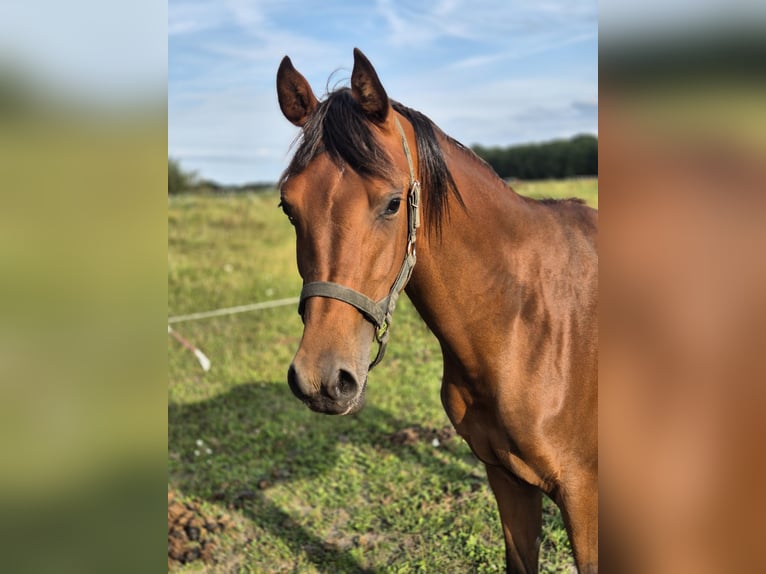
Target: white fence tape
{"points": [[233, 310]]}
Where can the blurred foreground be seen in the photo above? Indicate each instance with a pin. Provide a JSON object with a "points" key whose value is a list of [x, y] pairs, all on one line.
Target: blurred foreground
{"points": [[83, 290], [682, 135]]}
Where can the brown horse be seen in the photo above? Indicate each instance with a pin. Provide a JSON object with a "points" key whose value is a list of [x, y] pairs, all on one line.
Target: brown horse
{"points": [[507, 284]]}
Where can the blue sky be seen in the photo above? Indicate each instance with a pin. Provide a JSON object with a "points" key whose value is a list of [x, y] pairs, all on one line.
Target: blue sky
{"points": [[488, 72]]}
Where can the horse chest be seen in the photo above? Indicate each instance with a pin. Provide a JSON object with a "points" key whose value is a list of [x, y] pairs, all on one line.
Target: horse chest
{"points": [[487, 436], [494, 447]]}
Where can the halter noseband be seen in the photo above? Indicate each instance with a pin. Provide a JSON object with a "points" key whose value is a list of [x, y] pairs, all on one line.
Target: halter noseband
{"points": [[380, 313]]}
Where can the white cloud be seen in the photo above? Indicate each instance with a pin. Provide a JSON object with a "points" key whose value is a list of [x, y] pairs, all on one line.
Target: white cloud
{"points": [[246, 14], [192, 16], [238, 132], [185, 18], [510, 111], [537, 46], [498, 22]]}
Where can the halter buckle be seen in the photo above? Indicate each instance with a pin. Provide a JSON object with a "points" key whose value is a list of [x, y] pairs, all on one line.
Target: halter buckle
{"points": [[381, 331], [414, 202]]}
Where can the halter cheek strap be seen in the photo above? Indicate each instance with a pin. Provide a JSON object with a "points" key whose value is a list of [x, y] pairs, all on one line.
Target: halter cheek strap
{"points": [[379, 313]]}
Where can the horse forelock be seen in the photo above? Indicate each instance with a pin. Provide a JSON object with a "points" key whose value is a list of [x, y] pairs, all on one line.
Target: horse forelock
{"points": [[339, 128]]}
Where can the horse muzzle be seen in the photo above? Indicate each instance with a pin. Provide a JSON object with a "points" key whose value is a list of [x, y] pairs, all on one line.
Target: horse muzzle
{"points": [[332, 390]]}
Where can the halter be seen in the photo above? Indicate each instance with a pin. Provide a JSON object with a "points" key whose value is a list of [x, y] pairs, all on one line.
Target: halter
{"points": [[380, 313]]}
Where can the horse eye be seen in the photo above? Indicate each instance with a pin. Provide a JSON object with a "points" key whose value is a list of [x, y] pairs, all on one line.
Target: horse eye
{"points": [[393, 206], [287, 211]]}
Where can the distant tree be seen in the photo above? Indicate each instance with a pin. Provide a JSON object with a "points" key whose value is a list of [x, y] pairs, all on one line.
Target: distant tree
{"points": [[179, 180], [557, 159]]}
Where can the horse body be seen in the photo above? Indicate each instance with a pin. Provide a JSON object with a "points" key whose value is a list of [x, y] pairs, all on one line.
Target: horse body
{"points": [[512, 300], [508, 285]]}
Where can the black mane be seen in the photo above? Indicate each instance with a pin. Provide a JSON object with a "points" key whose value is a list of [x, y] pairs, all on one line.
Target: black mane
{"points": [[339, 128]]}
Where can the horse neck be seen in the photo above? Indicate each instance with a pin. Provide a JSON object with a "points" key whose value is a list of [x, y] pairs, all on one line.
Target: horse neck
{"points": [[461, 274]]}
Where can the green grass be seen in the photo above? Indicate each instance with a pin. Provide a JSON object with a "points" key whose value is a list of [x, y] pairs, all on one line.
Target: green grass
{"points": [[312, 493], [584, 188]]}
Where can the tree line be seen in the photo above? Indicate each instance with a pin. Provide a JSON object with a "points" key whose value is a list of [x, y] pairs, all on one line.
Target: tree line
{"points": [[556, 159], [181, 180]]}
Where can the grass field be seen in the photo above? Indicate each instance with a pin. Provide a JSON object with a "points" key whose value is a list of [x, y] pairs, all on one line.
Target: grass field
{"points": [[386, 490]]}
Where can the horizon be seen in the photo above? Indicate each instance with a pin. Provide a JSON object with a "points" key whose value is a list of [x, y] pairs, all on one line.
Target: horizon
{"points": [[269, 183]]}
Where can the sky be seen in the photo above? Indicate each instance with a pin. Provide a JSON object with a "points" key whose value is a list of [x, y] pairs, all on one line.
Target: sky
{"points": [[494, 73]]}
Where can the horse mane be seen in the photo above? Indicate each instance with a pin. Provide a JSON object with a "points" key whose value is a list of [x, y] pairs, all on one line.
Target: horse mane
{"points": [[339, 128]]}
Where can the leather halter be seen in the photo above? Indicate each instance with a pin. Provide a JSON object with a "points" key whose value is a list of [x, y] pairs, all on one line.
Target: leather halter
{"points": [[379, 313]]}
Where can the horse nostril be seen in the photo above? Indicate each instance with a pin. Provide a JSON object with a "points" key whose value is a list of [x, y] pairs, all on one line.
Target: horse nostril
{"points": [[294, 382], [344, 386]]}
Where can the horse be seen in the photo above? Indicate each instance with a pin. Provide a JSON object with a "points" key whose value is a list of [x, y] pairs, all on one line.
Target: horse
{"points": [[382, 200]]}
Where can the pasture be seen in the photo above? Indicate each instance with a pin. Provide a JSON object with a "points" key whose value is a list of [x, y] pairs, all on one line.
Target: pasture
{"points": [[390, 489]]}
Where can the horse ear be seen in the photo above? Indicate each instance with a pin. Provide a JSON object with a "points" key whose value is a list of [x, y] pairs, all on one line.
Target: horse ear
{"points": [[367, 89], [296, 99]]}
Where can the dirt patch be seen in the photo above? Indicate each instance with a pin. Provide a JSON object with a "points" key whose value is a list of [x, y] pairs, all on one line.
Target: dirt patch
{"points": [[192, 535], [416, 433]]}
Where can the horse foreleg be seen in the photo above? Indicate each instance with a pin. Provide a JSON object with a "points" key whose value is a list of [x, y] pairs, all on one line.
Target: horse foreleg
{"points": [[579, 509], [521, 513]]}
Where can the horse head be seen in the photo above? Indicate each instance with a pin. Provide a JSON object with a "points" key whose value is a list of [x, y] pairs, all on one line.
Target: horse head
{"points": [[348, 192]]}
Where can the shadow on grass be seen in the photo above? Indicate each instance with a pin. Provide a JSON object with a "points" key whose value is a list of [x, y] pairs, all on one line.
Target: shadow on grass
{"points": [[261, 436]]}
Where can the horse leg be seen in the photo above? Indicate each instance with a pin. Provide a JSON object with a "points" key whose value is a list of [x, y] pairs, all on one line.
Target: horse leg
{"points": [[521, 513], [579, 509]]}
